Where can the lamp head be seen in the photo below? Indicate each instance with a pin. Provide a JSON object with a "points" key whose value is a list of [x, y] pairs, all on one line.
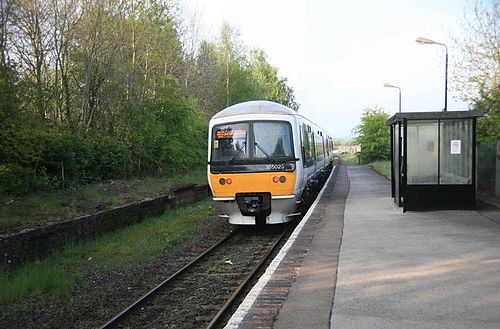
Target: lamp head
{"points": [[387, 85], [424, 41]]}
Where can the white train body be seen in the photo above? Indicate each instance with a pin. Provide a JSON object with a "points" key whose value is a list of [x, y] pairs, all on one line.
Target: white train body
{"points": [[263, 159]]}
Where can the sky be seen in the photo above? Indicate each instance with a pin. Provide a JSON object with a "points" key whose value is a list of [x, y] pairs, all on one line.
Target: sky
{"points": [[337, 54]]}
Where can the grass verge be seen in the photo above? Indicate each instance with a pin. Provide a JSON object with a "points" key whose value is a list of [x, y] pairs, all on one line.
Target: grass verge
{"points": [[382, 167], [37, 209], [349, 159], [130, 246]]}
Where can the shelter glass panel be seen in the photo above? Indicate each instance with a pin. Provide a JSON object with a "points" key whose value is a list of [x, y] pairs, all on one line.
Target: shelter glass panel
{"points": [[396, 157], [422, 152], [456, 152]]}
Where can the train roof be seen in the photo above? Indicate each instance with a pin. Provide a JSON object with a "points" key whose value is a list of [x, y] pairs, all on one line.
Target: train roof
{"points": [[254, 107]]}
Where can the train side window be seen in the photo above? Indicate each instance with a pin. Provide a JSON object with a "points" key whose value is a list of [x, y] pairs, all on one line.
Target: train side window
{"points": [[313, 147], [302, 149], [320, 155], [325, 151], [307, 146]]}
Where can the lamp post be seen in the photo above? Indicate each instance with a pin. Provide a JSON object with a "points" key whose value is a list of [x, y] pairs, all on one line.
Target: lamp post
{"points": [[391, 86], [426, 41]]}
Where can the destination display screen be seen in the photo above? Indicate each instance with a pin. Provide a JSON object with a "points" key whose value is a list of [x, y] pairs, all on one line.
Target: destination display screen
{"points": [[228, 134]]}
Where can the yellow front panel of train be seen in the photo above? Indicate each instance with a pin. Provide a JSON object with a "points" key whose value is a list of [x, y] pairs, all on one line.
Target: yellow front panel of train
{"points": [[253, 182]]}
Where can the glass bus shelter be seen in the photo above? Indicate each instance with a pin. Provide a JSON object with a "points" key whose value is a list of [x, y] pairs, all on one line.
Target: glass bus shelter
{"points": [[433, 159]]}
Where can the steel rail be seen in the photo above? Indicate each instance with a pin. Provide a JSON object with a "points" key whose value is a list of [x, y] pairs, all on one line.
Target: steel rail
{"points": [[120, 316], [240, 288]]}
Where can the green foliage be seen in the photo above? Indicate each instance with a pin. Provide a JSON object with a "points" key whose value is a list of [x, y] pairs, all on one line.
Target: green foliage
{"points": [[269, 85], [109, 91], [219, 266], [9, 89], [36, 209], [488, 127], [373, 135], [164, 134], [236, 75], [33, 279], [136, 244], [478, 67], [382, 167], [349, 159]]}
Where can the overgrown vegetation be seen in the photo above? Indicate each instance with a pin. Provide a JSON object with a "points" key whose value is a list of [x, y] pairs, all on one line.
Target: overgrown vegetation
{"points": [[219, 266], [373, 135], [35, 209], [349, 159], [96, 90], [382, 167], [488, 127], [125, 248], [477, 74]]}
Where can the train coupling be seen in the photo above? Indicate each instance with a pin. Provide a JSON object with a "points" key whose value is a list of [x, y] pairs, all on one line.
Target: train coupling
{"points": [[254, 204]]}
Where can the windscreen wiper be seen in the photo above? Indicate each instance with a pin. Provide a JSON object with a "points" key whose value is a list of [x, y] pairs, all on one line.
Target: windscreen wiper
{"points": [[243, 144], [265, 153]]}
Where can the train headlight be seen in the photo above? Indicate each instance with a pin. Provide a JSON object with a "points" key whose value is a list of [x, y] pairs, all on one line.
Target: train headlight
{"points": [[282, 179], [222, 181]]}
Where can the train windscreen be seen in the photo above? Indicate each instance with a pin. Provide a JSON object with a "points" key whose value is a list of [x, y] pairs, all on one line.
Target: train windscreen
{"points": [[230, 141], [272, 139], [255, 141]]}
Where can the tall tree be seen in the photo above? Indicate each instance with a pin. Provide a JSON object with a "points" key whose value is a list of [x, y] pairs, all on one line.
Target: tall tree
{"points": [[208, 86], [479, 70], [270, 85], [102, 85], [32, 44], [6, 11], [478, 67], [66, 17], [99, 39], [231, 57]]}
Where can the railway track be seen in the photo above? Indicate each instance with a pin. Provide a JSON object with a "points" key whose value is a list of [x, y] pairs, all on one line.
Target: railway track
{"points": [[200, 294]]}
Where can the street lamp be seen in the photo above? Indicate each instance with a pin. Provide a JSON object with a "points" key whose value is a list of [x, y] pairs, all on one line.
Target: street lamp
{"points": [[391, 86], [426, 41]]}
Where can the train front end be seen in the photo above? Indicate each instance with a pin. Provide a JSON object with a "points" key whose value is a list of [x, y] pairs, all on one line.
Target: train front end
{"points": [[252, 169]]}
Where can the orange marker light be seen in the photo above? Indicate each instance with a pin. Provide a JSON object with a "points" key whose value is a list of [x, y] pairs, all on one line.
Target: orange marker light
{"points": [[276, 179], [229, 181]]}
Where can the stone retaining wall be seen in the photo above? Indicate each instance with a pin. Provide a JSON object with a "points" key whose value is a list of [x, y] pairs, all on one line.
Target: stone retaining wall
{"points": [[27, 245]]}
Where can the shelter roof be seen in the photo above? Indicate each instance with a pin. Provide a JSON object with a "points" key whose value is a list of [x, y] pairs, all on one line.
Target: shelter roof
{"points": [[448, 115]]}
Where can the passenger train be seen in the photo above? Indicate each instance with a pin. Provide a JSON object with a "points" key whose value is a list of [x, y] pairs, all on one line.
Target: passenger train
{"points": [[263, 161]]}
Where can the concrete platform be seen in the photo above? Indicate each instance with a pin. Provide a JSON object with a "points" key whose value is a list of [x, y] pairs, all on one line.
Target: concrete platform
{"points": [[371, 266], [437, 269]]}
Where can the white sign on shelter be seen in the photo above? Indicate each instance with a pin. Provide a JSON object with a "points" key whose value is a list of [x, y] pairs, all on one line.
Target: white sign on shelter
{"points": [[456, 146]]}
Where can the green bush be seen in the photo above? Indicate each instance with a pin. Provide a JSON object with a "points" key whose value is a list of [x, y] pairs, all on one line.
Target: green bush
{"points": [[164, 134], [373, 136], [15, 179], [488, 127], [108, 160]]}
